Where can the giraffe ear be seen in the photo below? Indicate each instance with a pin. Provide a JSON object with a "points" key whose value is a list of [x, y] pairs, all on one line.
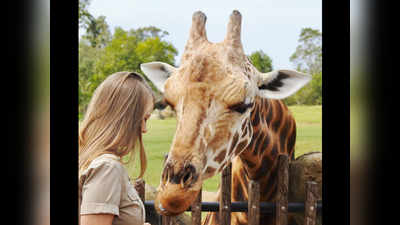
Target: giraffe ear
{"points": [[158, 73], [279, 84]]}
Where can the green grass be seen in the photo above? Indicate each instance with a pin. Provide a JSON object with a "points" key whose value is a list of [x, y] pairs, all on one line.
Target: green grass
{"points": [[161, 132], [309, 128]]}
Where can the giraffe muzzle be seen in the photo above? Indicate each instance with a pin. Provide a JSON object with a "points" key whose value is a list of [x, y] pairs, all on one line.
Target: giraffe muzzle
{"points": [[172, 199], [186, 176], [178, 189]]}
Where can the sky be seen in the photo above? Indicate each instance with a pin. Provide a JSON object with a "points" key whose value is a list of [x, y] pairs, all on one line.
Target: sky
{"points": [[272, 26], [359, 21]]}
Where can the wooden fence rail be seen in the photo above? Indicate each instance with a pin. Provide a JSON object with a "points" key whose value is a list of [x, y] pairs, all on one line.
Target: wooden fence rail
{"points": [[253, 207], [265, 207]]}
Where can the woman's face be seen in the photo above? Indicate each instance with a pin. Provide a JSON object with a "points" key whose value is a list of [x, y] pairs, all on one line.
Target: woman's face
{"points": [[146, 116]]}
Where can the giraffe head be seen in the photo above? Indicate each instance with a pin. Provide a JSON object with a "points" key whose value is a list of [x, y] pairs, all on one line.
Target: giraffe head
{"points": [[212, 92]]}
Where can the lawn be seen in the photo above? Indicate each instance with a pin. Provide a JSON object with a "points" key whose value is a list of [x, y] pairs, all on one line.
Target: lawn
{"points": [[160, 134]]}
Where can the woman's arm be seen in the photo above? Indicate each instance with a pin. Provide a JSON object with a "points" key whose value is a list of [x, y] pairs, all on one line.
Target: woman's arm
{"points": [[97, 219]]}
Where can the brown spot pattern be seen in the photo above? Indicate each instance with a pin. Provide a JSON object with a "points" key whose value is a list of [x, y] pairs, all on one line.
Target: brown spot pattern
{"points": [[221, 156], [210, 170], [240, 146], [274, 133], [234, 142]]}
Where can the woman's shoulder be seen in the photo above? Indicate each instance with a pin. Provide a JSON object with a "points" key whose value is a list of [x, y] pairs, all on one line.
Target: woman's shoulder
{"points": [[105, 162], [109, 159]]}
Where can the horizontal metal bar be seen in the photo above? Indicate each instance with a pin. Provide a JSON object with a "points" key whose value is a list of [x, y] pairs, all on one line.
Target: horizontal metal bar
{"points": [[265, 207]]}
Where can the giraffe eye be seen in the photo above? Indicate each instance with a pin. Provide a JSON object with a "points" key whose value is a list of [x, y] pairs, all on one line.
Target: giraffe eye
{"points": [[241, 107]]}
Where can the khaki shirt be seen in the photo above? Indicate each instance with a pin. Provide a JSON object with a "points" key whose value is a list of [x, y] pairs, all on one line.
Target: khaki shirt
{"points": [[105, 188]]}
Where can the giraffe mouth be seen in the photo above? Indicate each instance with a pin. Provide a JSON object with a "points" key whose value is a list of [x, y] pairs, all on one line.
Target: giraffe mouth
{"points": [[162, 211], [161, 208]]}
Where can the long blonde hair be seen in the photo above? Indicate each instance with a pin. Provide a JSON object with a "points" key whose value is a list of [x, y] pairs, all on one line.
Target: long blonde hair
{"points": [[113, 120]]}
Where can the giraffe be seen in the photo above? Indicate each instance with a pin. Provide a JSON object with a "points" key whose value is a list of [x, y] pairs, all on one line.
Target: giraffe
{"points": [[226, 111]]}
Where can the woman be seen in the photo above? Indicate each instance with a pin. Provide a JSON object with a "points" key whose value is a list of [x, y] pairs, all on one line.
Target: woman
{"points": [[111, 129]]}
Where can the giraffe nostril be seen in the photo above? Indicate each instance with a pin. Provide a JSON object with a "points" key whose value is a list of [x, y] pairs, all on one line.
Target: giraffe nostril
{"points": [[164, 176], [166, 173], [187, 176]]}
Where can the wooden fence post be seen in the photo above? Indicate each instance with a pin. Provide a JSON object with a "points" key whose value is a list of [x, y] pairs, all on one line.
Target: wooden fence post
{"points": [[196, 210], [225, 200], [281, 210], [310, 205], [168, 220], [254, 203]]}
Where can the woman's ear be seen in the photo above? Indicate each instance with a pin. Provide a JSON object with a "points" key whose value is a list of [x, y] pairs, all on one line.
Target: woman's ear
{"points": [[158, 73], [280, 84]]}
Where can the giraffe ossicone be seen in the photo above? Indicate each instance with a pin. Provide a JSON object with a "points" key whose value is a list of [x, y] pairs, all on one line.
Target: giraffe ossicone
{"points": [[218, 96]]}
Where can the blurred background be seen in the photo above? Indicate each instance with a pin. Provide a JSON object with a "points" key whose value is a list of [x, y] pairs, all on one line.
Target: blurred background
{"points": [[373, 127], [27, 94], [359, 113]]}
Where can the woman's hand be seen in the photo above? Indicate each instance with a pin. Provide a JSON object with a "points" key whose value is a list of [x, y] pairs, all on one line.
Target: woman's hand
{"points": [[147, 224]]}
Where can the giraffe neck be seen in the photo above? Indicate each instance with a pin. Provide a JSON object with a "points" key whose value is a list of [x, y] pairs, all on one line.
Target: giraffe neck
{"points": [[274, 133]]}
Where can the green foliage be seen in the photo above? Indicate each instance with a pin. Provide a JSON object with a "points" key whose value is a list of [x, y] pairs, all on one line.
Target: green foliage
{"points": [[88, 58], [97, 32], [147, 32], [316, 84], [310, 94], [261, 61], [123, 51], [84, 16], [308, 59], [153, 49]]}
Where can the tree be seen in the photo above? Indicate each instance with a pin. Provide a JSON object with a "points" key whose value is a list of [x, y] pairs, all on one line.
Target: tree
{"points": [[88, 58], [83, 14], [97, 32], [308, 55], [148, 32], [90, 50], [125, 51], [261, 61], [308, 59]]}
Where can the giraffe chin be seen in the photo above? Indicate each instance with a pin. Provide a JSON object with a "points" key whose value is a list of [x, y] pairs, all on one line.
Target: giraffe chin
{"points": [[174, 201]]}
